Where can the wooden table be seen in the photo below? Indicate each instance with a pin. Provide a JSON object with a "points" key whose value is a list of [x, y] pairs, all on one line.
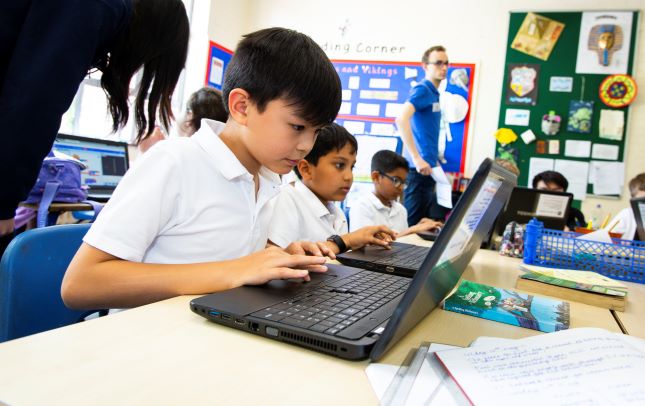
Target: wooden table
{"points": [[633, 318], [165, 354]]}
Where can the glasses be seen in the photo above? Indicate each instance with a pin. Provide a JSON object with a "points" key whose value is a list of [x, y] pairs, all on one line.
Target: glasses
{"points": [[396, 181], [439, 64]]}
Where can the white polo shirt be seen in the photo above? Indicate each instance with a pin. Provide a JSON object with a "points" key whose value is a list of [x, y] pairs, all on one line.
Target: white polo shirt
{"points": [[300, 216], [187, 200], [368, 210]]}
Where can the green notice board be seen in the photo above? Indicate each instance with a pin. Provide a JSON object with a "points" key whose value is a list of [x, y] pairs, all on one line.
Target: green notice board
{"points": [[584, 86]]}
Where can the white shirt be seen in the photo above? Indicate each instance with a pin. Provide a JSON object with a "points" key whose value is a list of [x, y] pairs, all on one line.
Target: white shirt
{"points": [[187, 200], [368, 210], [626, 224], [300, 216]]}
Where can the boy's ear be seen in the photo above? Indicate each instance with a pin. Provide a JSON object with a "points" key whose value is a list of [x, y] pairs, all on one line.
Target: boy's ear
{"points": [[375, 176], [238, 105], [304, 168]]}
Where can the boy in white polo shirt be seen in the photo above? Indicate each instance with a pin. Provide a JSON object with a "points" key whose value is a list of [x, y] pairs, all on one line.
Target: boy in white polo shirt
{"points": [[307, 211], [192, 216], [389, 176]]}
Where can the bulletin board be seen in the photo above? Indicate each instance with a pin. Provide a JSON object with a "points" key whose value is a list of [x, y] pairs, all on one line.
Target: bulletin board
{"points": [[374, 93], [218, 59], [567, 82]]}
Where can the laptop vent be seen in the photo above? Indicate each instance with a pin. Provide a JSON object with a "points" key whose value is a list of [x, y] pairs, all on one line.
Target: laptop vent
{"points": [[311, 342]]}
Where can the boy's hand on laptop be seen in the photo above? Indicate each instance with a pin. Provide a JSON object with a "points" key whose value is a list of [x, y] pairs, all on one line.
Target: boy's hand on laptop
{"points": [[371, 235], [275, 263], [427, 224], [318, 249]]}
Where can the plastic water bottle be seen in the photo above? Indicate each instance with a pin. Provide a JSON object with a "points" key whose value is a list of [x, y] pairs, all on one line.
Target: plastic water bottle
{"points": [[531, 236], [596, 216]]}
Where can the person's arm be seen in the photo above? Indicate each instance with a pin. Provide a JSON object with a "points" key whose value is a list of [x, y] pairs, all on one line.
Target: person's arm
{"points": [[403, 122], [50, 57], [423, 225], [372, 235], [98, 280]]}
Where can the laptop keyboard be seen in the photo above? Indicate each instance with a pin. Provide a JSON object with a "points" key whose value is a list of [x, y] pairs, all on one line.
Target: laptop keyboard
{"points": [[331, 309], [411, 257]]}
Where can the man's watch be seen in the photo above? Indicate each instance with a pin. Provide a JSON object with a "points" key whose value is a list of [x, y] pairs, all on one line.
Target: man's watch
{"points": [[336, 239]]}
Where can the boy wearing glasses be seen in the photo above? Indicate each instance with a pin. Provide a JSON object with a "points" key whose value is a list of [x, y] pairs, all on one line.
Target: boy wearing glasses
{"points": [[306, 211], [419, 127], [390, 177]]}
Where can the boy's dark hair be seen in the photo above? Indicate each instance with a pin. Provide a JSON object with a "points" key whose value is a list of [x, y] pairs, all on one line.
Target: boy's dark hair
{"points": [[332, 137], [637, 184], [426, 55], [155, 39], [206, 103], [387, 161], [551, 177], [276, 63]]}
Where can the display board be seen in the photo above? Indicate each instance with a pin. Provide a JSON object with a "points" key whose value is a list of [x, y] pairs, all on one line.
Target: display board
{"points": [[374, 93], [218, 59], [559, 69]]}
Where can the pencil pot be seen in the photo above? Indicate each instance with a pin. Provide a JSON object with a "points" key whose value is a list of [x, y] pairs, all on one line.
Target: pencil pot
{"points": [[623, 260]]}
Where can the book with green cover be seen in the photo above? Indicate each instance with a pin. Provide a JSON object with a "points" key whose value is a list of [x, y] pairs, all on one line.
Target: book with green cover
{"points": [[574, 279], [551, 280], [510, 307]]}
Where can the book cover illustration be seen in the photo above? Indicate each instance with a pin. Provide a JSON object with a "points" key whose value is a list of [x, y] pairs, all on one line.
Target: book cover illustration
{"points": [[510, 307]]}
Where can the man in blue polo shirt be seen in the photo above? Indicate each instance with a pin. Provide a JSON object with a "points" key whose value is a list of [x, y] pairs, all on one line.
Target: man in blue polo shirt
{"points": [[419, 127]]}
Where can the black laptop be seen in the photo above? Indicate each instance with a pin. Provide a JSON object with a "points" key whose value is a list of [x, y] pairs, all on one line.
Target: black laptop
{"points": [[638, 206], [551, 208], [106, 161], [355, 313]]}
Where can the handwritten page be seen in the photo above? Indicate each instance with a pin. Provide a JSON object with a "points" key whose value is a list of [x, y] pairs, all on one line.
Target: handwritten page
{"points": [[577, 149], [607, 178], [539, 165], [578, 366], [576, 173]]}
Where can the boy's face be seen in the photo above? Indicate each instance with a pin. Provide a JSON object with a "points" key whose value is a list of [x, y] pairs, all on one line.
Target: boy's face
{"points": [[278, 138], [384, 186], [332, 177]]}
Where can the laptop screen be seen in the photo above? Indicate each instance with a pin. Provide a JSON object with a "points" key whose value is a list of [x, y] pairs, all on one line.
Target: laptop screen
{"points": [[469, 223], [107, 161], [638, 206], [552, 208]]}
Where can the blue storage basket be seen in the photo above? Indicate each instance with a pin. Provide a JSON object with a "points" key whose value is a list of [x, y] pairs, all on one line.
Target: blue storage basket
{"points": [[623, 260]]}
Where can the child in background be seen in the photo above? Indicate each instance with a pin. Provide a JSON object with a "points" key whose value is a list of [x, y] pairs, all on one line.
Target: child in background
{"points": [[624, 223], [389, 176], [204, 103], [192, 216], [307, 211]]}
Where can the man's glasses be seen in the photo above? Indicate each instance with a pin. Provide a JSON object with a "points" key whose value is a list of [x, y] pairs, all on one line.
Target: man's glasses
{"points": [[396, 181], [439, 64]]}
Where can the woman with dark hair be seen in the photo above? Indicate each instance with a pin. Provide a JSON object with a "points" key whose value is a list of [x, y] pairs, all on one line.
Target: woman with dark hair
{"points": [[46, 49]]}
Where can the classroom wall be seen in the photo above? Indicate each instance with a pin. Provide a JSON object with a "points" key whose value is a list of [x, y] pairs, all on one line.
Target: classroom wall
{"points": [[473, 31]]}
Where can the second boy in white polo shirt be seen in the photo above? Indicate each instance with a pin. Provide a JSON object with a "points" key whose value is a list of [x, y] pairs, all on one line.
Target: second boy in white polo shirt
{"points": [[307, 210]]}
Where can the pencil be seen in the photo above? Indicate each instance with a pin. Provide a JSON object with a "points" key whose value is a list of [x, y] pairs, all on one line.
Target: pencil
{"points": [[605, 221], [614, 226]]}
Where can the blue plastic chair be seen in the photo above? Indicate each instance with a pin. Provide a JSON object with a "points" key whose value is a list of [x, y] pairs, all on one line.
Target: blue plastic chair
{"points": [[31, 272]]}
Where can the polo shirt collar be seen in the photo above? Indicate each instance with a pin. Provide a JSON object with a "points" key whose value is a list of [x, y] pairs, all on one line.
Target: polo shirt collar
{"points": [[376, 202], [223, 158], [312, 201]]}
